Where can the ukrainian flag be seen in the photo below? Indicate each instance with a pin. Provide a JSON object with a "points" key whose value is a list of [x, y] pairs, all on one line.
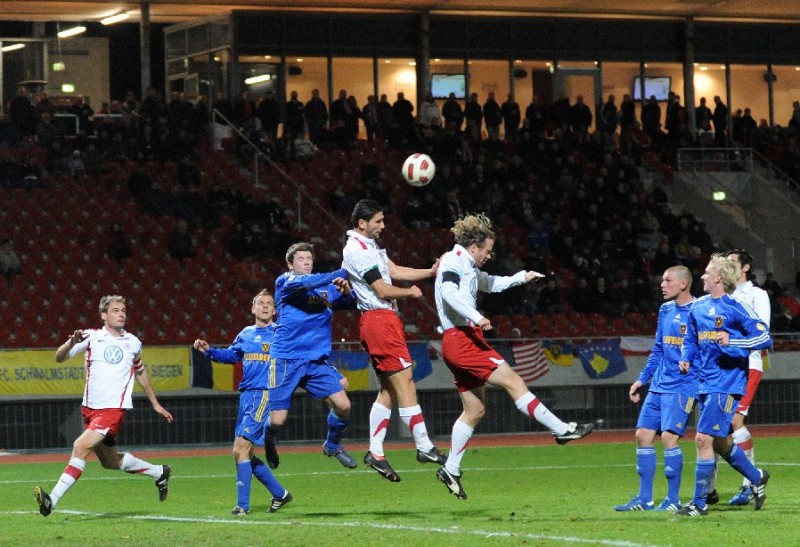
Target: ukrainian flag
{"points": [[354, 365]]}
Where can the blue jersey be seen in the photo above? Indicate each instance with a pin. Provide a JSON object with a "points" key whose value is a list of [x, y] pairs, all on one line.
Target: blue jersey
{"points": [[305, 305], [662, 365], [252, 348], [723, 369]]}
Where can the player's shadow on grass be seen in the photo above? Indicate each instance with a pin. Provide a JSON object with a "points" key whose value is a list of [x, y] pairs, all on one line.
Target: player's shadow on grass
{"points": [[478, 513]]}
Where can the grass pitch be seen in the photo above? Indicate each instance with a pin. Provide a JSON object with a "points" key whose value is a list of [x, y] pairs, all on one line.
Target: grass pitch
{"points": [[537, 495]]}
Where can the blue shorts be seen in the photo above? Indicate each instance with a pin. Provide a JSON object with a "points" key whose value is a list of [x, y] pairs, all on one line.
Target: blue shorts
{"points": [[716, 413], [318, 378], [666, 412], [253, 414]]}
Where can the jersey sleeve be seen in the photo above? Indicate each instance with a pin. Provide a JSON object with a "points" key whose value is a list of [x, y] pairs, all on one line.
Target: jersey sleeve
{"points": [[230, 355], [454, 293], [762, 306], [81, 346], [498, 283], [656, 354], [294, 282], [690, 345]]}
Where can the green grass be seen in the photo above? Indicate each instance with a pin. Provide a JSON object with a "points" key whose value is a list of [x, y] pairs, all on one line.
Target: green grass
{"points": [[543, 495]]}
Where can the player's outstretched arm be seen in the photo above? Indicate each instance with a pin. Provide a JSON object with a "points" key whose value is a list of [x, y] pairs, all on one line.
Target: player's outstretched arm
{"points": [[404, 273]]}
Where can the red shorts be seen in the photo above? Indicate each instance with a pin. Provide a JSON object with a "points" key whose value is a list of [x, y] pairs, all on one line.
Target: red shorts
{"points": [[383, 339], [469, 357], [106, 421], [753, 379]]}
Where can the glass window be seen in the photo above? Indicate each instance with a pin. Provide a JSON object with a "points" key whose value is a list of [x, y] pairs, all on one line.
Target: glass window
{"points": [[175, 44], [536, 82], [786, 90], [354, 76], [398, 76], [304, 74], [709, 82], [749, 90], [618, 80], [489, 77], [258, 73]]}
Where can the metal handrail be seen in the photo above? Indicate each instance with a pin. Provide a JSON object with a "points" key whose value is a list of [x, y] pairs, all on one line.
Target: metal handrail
{"points": [[258, 152]]}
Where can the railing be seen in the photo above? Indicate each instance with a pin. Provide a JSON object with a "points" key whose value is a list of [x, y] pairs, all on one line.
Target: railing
{"points": [[259, 153], [715, 159]]}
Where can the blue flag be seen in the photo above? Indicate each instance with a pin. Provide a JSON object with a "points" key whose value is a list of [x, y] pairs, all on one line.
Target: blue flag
{"points": [[602, 358], [422, 361]]}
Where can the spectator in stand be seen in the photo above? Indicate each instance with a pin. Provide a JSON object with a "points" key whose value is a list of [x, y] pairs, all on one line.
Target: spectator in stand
{"points": [[152, 107], [43, 104], [492, 117], [453, 115], [180, 244], [403, 113], [22, 112], [75, 166], [703, 115], [317, 118], [550, 297], [9, 261], [581, 297], [269, 112], [580, 116], [429, 114], [371, 118], [340, 112], [511, 118], [651, 118], [385, 119], [117, 246], [474, 116], [84, 113], [45, 131], [130, 105], [295, 124], [608, 119], [244, 110], [720, 118]]}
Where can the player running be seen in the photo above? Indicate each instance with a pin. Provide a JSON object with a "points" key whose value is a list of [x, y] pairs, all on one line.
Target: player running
{"points": [[113, 360]]}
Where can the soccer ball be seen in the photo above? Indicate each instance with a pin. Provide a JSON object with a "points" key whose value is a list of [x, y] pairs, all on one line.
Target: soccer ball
{"points": [[418, 169]]}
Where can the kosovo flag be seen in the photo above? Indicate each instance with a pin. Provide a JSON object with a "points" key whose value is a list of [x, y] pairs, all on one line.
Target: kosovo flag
{"points": [[602, 358], [422, 361], [558, 353], [354, 365]]}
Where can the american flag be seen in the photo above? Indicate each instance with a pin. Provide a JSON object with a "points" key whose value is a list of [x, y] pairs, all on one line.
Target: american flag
{"points": [[527, 360]]}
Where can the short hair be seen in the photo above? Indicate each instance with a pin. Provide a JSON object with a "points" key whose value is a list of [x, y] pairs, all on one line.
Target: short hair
{"points": [[107, 300], [727, 269], [365, 209], [473, 229], [683, 273], [262, 292], [296, 248], [745, 259]]}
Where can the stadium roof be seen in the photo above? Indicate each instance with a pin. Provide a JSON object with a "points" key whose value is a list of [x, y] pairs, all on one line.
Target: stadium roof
{"points": [[174, 11]]}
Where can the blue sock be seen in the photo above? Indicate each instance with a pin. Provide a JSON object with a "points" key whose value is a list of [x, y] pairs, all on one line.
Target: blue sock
{"points": [[702, 475], [739, 461], [673, 467], [265, 477], [336, 427], [646, 468], [244, 476]]}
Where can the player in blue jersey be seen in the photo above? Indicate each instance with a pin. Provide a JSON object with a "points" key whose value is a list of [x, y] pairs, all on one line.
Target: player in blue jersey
{"points": [[720, 335], [252, 347], [670, 398], [305, 303]]}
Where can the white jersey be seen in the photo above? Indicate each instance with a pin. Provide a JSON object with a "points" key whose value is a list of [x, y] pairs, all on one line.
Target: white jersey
{"points": [[757, 299], [111, 362], [457, 304], [362, 254]]}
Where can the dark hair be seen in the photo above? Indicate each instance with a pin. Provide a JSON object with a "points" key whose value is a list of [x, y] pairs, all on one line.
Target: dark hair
{"points": [[297, 247], [365, 210], [745, 259]]}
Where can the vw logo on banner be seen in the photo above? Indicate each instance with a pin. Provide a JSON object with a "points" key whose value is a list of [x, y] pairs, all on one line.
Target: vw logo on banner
{"points": [[113, 354]]}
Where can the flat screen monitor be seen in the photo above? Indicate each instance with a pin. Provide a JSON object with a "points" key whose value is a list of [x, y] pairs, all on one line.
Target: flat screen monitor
{"points": [[653, 85], [442, 85]]}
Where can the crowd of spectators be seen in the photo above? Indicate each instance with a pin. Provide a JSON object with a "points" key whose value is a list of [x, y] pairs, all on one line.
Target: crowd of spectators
{"points": [[566, 201]]}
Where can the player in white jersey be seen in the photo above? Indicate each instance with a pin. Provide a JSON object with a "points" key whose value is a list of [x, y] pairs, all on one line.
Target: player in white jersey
{"points": [[113, 360], [758, 300], [371, 273], [467, 354]]}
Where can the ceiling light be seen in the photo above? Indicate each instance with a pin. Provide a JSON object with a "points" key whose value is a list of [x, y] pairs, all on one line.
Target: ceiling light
{"points": [[74, 31], [12, 47], [115, 18], [258, 79]]}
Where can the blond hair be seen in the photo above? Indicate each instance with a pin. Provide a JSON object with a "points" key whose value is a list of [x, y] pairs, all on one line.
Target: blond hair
{"points": [[108, 299], [728, 270], [262, 292], [473, 229]]}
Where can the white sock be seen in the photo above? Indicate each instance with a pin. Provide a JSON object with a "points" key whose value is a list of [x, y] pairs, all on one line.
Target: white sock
{"points": [[71, 474], [529, 405], [132, 464], [462, 433], [412, 417], [378, 425]]}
